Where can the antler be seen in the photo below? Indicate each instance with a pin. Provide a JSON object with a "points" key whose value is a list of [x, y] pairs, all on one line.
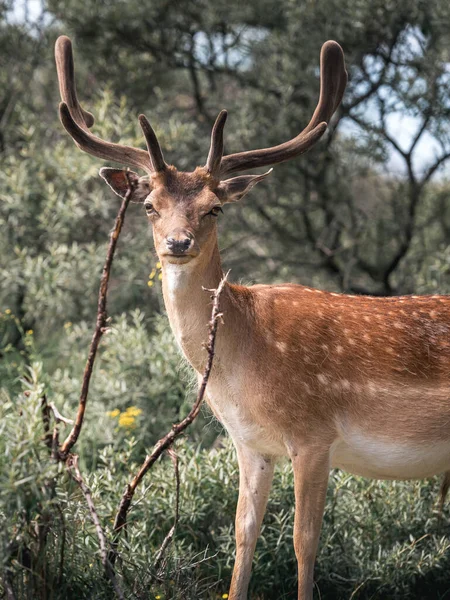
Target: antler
{"points": [[77, 121], [154, 149], [333, 79], [214, 159]]}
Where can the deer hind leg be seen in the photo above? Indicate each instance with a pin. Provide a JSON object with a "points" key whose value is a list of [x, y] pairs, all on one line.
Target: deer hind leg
{"points": [[311, 470], [255, 480]]}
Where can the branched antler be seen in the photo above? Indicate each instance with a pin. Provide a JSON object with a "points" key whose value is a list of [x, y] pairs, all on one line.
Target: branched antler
{"points": [[77, 121], [333, 79]]}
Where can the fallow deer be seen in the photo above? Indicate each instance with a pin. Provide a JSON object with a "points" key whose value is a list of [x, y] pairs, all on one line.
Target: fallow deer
{"points": [[329, 380]]}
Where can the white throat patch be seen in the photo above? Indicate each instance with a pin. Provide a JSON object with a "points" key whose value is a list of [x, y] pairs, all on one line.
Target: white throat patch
{"points": [[176, 277]]}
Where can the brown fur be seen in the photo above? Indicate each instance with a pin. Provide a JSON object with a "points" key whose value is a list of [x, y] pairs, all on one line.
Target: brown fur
{"points": [[308, 359], [302, 362]]}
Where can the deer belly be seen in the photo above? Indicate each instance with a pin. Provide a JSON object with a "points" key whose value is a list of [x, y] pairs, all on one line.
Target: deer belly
{"points": [[364, 454]]}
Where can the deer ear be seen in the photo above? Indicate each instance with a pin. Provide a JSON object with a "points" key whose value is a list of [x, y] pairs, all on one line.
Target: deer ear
{"points": [[118, 182], [232, 190]]}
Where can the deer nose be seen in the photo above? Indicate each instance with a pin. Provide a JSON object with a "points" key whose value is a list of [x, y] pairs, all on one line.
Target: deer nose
{"points": [[179, 242]]}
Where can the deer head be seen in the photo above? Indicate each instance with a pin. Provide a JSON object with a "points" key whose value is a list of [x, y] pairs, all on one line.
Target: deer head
{"points": [[182, 206]]}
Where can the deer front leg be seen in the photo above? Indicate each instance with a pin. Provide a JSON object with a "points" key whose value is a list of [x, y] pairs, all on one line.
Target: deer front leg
{"points": [[311, 470], [255, 479]]}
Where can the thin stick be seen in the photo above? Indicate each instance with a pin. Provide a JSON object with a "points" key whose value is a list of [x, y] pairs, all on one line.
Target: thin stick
{"points": [[58, 416], [46, 422], [169, 536], [165, 442], [72, 465], [100, 324], [55, 443]]}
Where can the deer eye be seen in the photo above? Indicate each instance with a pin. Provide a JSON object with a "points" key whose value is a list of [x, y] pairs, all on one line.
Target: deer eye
{"points": [[149, 209], [214, 212]]}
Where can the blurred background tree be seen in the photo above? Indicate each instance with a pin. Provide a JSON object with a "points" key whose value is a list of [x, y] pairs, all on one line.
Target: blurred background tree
{"points": [[367, 211]]}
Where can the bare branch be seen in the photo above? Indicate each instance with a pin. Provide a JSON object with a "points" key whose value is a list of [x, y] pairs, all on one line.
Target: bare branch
{"points": [[434, 167], [420, 131], [100, 324], [55, 443], [72, 466], [169, 536], [166, 442], [374, 85], [46, 421], [58, 416]]}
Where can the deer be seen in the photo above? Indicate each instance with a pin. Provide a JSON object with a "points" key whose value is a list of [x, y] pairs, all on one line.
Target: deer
{"points": [[360, 383]]}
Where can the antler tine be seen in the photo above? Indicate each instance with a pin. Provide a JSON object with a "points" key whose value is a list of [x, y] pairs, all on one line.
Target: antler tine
{"points": [[77, 121], [154, 149], [333, 79], [95, 146], [66, 78], [216, 149]]}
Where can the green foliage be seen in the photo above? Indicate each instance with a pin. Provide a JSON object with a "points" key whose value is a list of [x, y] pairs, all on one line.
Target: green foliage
{"points": [[379, 539], [57, 216], [336, 218], [138, 366]]}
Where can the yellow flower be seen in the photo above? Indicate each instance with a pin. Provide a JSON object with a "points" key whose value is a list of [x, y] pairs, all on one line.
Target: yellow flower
{"points": [[160, 276], [152, 274], [67, 325], [127, 421], [133, 411], [158, 265], [8, 311], [224, 595], [150, 283], [157, 597], [114, 413]]}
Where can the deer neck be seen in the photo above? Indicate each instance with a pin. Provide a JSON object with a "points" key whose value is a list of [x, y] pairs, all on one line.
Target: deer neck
{"points": [[188, 305]]}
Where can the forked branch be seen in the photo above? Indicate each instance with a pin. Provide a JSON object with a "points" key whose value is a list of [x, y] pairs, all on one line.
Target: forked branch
{"points": [[62, 453], [100, 323], [167, 441]]}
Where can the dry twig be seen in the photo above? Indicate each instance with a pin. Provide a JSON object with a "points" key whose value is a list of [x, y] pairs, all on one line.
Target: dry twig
{"points": [[169, 536], [72, 465], [58, 416], [100, 324], [46, 421], [165, 442], [62, 453]]}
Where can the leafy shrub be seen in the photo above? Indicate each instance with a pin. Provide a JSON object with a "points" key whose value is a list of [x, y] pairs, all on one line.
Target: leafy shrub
{"points": [[379, 540]]}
